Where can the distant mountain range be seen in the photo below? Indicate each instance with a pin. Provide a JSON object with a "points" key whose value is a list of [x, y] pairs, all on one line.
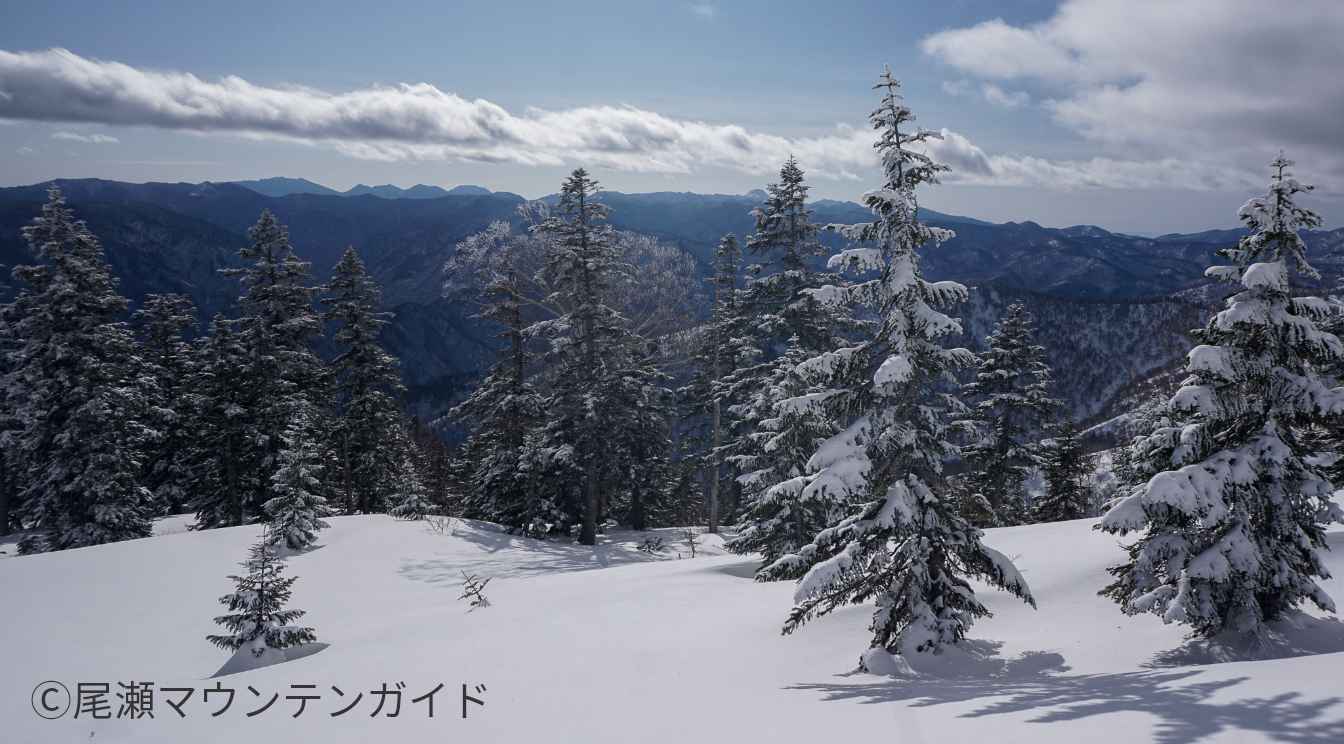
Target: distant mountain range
{"points": [[1112, 308], [280, 186]]}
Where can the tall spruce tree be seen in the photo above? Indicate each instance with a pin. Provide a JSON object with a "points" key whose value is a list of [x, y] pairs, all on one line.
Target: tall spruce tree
{"points": [[1067, 495], [785, 234], [779, 295], [366, 382], [594, 349], [708, 400], [504, 410], [639, 465], [905, 547], [1011, 409], [277, 326], [1234, 518], [77, 395], [227, 453], [783, 321], [163, 321], [10, 426]]}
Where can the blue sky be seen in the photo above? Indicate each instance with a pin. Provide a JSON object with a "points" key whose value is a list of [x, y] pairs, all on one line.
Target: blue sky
{"points": [[1077, 112]]}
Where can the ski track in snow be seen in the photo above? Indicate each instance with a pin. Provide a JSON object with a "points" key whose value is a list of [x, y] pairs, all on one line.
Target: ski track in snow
{"points": [[646, 650]]}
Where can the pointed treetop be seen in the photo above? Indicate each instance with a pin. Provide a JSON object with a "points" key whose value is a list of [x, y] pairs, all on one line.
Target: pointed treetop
{"points": [[1274, 221]]}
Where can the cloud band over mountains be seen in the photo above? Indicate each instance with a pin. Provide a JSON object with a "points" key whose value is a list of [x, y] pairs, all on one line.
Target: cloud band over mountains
{"points": [[421, 122]]}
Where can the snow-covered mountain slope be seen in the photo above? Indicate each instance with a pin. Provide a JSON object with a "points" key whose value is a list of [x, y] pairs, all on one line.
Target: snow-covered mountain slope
{"points": [[613, 645]]}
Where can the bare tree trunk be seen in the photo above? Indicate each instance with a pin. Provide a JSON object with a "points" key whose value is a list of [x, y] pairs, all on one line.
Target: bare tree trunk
{"points": [[6, 496], [638, 520], [714, 470], [347, 475], [588, 532], [231, 479]]}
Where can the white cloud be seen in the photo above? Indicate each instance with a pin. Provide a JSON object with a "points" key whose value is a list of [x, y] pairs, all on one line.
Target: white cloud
{"points": [[705, 10], [92, 139], [972, 165], [420, 122], [956, 88], [25, 150], [1007, 99], [1231, 80], [989, 91]]}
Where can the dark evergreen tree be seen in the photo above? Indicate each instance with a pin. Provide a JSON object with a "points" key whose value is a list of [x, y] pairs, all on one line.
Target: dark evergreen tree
{"points": [[1233, 520], [1012, 407], [1067, 494], [10, 426], [1121, 465], [783, 514], [227, 456], [73, 383], [638, 471], [780, 295], [785, 234], [708, 398], [367, 383], [163, 322], [593, 349], [434, 458], [504, 410], [277, 326], [784, 321], [904, 546]]}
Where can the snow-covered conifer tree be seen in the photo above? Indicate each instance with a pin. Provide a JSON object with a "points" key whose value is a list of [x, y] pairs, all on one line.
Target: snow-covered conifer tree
{"points": [[74, 385], [277, 327], [500, 267], [298, 506], [1012, 406], [163, 319], [10, 426], [1234, 518], [1067, 495], [260, 625], [707, 400], [411, 499], [782, 515], [226, 453], [781, 321], [906, 546], [637, 415], [366, 382], [785, 233], [1121, 466], [593, 347]]}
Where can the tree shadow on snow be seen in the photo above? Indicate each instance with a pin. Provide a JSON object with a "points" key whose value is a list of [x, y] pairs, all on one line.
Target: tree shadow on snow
{"points": [[743, 570], [1297, 634], [526, 556], [283, 551], [1182, 706], [242, 662]]}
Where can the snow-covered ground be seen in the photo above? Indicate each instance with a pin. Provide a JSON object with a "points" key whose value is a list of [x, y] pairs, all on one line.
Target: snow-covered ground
{"points": [[610, 644]]}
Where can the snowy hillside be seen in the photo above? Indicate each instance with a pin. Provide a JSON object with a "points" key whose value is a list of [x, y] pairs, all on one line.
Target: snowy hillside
{"points": [[610, 644]]}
